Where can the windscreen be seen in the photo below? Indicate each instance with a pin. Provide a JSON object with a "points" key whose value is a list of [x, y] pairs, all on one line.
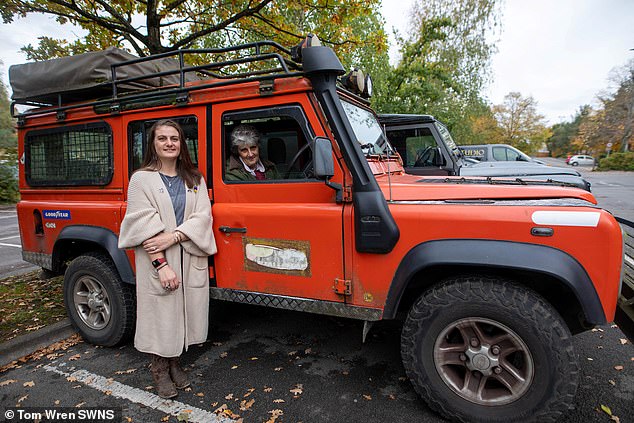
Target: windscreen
{"points": [[367, 129]]}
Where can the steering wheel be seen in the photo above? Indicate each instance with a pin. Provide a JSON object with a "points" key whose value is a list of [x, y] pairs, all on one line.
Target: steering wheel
{"points": [[307, 171], [423, 158]]}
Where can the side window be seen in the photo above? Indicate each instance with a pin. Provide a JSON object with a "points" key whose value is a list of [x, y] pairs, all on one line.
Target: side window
{"points": [[267, 145], [137, 139], [69, 156], [499, 154], [416, 146]]}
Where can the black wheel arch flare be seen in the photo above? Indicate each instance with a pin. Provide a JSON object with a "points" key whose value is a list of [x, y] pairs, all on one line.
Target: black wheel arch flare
{"points": [[103, 237], [495, 254]]}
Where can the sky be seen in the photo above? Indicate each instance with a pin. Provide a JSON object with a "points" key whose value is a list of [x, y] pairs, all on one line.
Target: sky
{"points": [[559, 52]]}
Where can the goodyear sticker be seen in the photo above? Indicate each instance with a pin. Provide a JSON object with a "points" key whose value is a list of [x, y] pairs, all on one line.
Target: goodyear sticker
{"points": [[56, 214]]}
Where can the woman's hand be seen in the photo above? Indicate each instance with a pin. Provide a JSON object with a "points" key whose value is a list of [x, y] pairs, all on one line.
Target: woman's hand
{"points": [[160, 242], [168, 278]]}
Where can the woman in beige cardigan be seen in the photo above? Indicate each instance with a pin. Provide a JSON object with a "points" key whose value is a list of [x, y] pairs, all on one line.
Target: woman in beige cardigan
{"points": [[168, 224]]}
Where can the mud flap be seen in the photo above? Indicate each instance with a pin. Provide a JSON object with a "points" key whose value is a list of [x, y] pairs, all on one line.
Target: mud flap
{"points": [[625, 308]]}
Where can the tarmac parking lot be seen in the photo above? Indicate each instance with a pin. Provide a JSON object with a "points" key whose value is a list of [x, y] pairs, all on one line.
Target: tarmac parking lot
{"points": [[268, 365]]}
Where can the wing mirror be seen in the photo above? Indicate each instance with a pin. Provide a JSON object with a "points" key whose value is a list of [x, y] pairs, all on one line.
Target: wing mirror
{"points": [[323, 163]]}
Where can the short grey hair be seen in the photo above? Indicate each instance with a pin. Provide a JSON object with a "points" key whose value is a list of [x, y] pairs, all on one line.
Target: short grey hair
{"points": [[244, 135]]}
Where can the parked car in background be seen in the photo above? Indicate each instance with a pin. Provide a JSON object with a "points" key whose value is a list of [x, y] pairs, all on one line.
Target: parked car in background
{"points": [[582, 160], [427, 148], [496, 152]]}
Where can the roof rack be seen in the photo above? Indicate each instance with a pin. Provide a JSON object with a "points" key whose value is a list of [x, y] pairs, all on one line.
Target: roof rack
{"points": [[166, 75]]}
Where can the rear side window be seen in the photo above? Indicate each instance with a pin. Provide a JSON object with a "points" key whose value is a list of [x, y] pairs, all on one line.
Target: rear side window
{"points": [[138, 133], [69, 156]]}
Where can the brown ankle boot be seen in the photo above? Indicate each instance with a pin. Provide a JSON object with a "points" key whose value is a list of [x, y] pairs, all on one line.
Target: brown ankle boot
{"points": [[178, 375], [162, 381]]}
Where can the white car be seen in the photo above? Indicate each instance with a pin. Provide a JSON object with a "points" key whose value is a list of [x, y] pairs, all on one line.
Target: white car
{"points": [[581, 160]]}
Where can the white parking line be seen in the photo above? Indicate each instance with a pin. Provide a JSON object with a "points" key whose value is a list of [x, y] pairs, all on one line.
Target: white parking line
{"points": [[7, 217], [148, 399], [9, 237], [2, 244]]}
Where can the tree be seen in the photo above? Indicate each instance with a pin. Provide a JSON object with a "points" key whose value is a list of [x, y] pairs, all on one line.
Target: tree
{"points": [[521, 126], [618, 121], [149, 27], [560, 143], [8, 139], [8, 150], [444, 63]]}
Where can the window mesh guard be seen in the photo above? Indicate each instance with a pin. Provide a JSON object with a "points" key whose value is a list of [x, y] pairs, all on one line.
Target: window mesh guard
{"points": [[73, 156]]}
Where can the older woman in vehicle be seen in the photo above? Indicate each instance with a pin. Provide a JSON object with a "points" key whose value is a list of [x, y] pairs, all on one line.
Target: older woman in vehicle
{"points": [[245, 163]]}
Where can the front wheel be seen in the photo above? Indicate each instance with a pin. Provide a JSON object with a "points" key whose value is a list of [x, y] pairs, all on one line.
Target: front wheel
{"points": [[489, 350], [99, 304]]}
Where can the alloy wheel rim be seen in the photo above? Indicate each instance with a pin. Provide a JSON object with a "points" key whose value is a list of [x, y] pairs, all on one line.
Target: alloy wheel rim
{"points": [[92, 302], [483, 361]]}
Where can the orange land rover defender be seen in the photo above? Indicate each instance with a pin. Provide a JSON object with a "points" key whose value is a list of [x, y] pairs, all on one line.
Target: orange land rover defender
{"points": [[491, 276]]}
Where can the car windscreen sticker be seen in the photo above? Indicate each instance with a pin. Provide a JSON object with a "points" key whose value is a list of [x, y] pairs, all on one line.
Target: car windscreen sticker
{"points": [[566, 218], [56, 214]]}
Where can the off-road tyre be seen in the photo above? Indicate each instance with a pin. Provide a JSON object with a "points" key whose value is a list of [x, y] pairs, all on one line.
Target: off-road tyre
{"points": [[545, 351], [110, 317]]}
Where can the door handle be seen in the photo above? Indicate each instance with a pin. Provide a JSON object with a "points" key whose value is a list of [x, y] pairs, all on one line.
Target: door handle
{"points": [[229, 230]]}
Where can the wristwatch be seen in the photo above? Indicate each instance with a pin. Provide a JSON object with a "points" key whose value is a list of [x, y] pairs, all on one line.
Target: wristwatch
{"points": [[159, 261]]}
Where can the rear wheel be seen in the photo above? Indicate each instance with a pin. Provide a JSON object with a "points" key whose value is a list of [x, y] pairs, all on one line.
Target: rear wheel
{"points": [[100, 305], [489, 350], [575, 163]]}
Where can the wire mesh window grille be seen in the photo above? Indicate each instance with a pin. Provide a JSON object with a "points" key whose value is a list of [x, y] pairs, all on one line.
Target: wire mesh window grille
{"points": [[77, 155]]}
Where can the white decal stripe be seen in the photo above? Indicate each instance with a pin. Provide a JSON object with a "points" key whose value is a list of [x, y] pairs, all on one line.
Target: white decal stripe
{"points": [[566, 218], [148, 399]]}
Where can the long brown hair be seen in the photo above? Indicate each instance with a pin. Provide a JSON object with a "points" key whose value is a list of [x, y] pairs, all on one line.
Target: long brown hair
{"points": [[184, 166]]}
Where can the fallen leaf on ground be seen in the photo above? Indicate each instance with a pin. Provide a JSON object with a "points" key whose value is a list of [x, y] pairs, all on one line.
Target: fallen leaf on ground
{"points": [[245, 405], [183, 416], [166, 418], [124, 372], [618, 367], [71, 379], [56, 402], [249, 392], [7, 382], [254, 358], [623, 341], [278, 401], [108, 392], [81, 404], [292, 353], [74, 357], [613, 383], [274, 415], [278, 369], [367, 397], [223, 355], [23, 398], [298, 390], [234, 367], [267, 389], [29, 384], [200, 394]]}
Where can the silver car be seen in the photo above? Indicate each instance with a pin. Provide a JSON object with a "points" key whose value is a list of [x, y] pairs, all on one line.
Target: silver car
{"points": [[582, 160]]}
